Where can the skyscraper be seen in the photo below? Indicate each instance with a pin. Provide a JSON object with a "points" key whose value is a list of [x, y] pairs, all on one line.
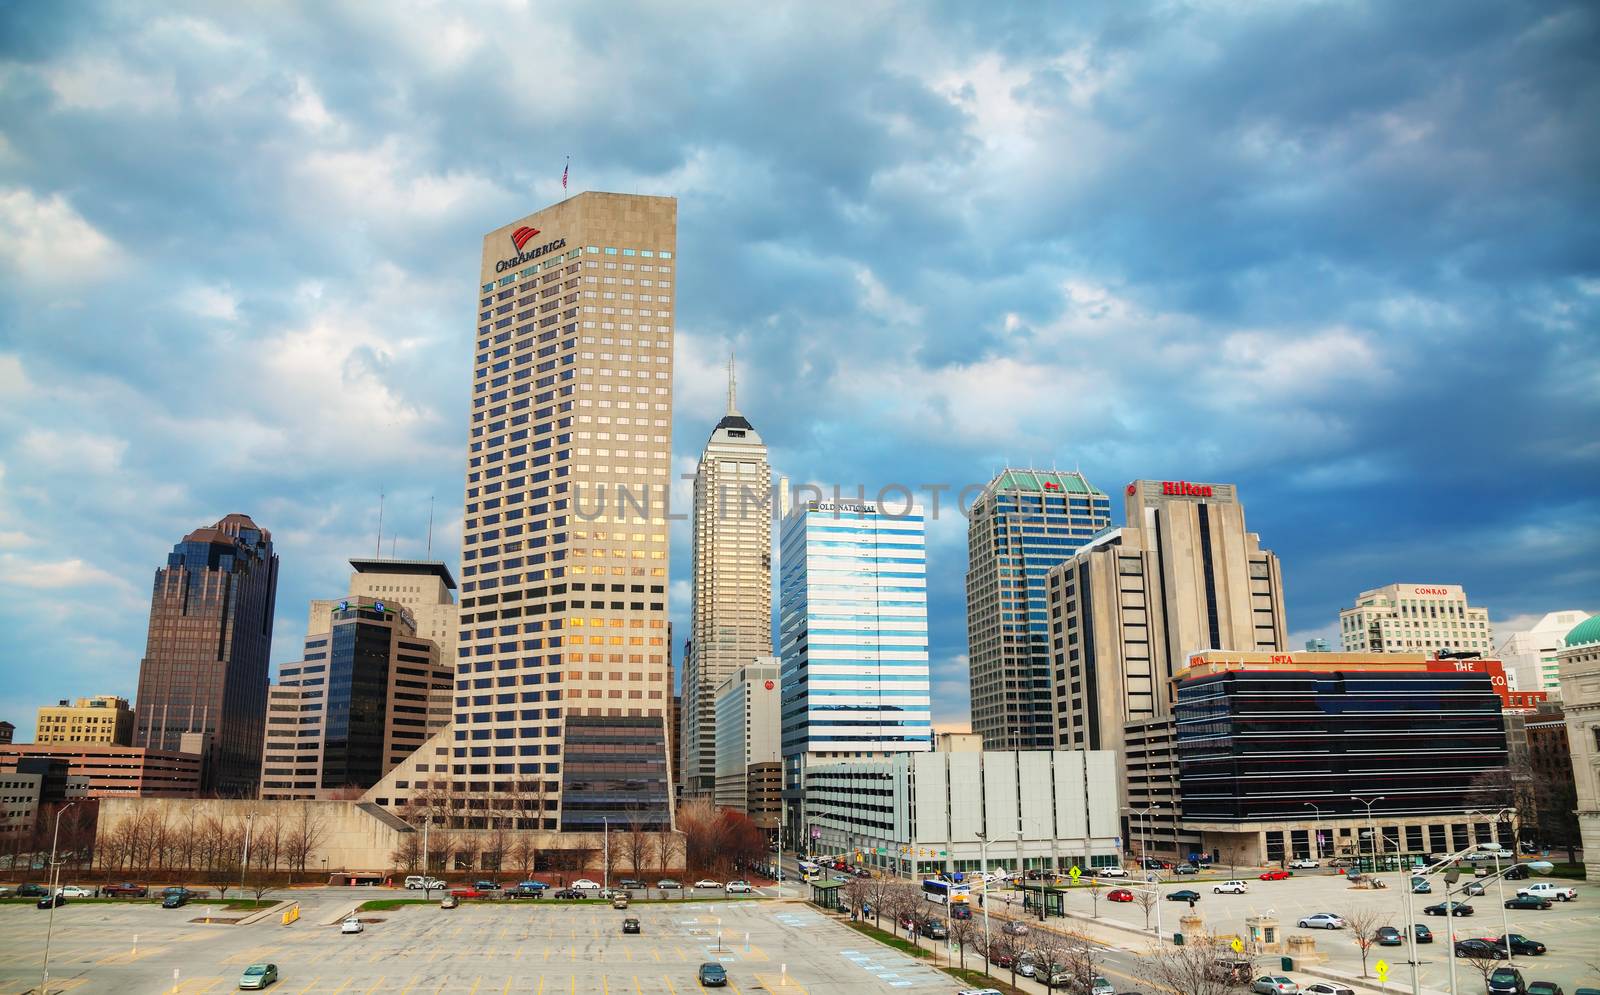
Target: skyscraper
{"points": [[1415, 618], [562, 668], [731, 577], [853, 600], [1024, 523], [203, 679]]}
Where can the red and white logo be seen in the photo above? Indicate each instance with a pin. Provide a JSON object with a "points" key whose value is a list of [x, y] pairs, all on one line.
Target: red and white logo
{"points": [[522, 236], [1133, 488], [1051, 485], [769, 685]]}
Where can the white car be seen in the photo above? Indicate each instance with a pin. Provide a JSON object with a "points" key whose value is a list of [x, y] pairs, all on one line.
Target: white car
{"points": [[738, 887], [1322, 920], [352, 925], [584, 884], [1230, 888], [1304, 863], [1544, 889], [416, 882], [1327, 988], [707, 883], [75, 891], [1111, 872]]}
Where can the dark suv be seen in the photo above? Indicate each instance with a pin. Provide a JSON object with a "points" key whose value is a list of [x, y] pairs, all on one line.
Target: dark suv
{"points": [[1507, 981]]}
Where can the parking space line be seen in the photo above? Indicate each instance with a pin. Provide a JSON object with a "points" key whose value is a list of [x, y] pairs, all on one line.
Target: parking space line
{"points": [[310, 985], [343, 986], [375, 985]]}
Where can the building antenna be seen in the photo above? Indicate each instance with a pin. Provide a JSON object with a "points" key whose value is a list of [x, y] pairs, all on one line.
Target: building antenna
{"points": [[430, 526], [733, 385], [377, 554]]}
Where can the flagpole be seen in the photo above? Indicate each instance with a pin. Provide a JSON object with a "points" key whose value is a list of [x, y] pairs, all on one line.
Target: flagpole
{"points": [[564, 171]]}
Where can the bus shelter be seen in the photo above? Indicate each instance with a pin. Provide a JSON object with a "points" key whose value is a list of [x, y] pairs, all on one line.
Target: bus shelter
{"points": [[826, 894], [1052, 899]]}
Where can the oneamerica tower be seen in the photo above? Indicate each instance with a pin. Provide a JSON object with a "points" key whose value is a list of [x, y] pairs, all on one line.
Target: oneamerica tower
{"points": [[563, 679]]}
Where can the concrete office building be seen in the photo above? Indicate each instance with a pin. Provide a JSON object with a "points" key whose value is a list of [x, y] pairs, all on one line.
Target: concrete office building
{"points": [[562, 674], [7, 732], [102, 719], [920, 813], [1277, 753], [203, 678], [116, 771], [1184, 574], [1023, 524], [730, 615], [1415, 618], [425, 588], [1530, 654], [358, 704], [747, 740], [1578, 663], [19, 805]]}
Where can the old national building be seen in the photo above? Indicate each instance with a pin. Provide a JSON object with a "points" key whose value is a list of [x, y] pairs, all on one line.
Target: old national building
{"points": [[102, 719], [1025, 523], [731, 583], [1416, 618], [1184, 574], [203, 679], [357, 705]]}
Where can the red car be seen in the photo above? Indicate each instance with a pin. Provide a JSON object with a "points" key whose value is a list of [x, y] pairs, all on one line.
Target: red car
{"points": [[1275, 875], [466, 892], [1119, 895]]}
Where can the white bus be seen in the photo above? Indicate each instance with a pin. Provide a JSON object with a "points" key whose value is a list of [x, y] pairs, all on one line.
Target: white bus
{"points": [[945, 892]]}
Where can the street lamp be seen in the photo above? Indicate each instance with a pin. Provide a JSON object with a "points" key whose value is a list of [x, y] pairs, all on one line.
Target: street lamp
{"points": [[1499, 882], [44, 980], [249, 823], [1144, 837], [1371, 829], [983, 857], [1316, 834]]}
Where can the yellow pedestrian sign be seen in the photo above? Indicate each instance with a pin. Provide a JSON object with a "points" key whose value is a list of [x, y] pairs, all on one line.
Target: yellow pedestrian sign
{"points": [[1074, 874], [1237, 945], [1381, 969]]}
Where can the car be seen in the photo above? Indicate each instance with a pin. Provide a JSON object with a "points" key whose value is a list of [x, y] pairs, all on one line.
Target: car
{"points": [[979, 991], [1454, 909], [1516, 872], [630, 925], [1327, 988], [1520, 944], [933, 929], [1111, 872], [1152, 864], [1473, 888], [707, 883], [1544, 988], [176, 900], [737, 887], [1027, 965], [630, 883], [1480, 948], [619, 900], [352, 925], [569, 894], [1344, 862], [1420, 886], [52, 902], [1279, 875], [528, 889], [1230, 888], [960, 910], [1424, 934], [1014, 928], [75, 891], [1119, 895], [1322, 920], [31, 891], [1507, 981], [465, 891], [712, 974], [1546, 889], [1527, 902], [584, 884], [258, 976], [1183, 895], [667, 884], [1304, 863], [486, 885], [1275, 984], [449, 902], [1388, 936], [1186, 869], [125, 890]]}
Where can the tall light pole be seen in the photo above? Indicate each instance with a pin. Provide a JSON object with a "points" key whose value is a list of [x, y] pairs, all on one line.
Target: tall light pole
{"points": [[1144, 834], [1371, 829], [249, 824], [1499, 882], [427, 892], [44, 980], [983, 856], [605, 860], [1316, 834]]}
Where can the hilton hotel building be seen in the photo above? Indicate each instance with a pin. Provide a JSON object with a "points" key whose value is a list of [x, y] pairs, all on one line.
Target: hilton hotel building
{"points": [[563, 669], [1126, 611]]}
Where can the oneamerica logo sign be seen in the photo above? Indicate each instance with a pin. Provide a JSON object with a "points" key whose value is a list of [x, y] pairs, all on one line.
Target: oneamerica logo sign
{"points": [[520, 238]]}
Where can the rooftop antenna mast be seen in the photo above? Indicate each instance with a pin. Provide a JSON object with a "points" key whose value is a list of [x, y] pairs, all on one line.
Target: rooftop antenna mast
{"points": [[430, 526], [733, 386], [378, 553]]}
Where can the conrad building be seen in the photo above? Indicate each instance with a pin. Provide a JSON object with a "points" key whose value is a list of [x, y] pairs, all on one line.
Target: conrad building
{"points": [[203, 679], [1183, 575], [1025, 523], [1416, 618], [731, 582], [562, 669]]}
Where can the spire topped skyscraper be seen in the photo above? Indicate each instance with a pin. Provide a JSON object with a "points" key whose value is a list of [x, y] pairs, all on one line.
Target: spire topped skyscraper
{"points": [[731, 615]]}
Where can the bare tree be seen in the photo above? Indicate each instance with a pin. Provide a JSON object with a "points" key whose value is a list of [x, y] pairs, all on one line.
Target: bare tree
{"points": [[963, 932], [1364, 923], [669, 850], [904, 901], [1146, 899], [1095, 889], [408, 855], [856, 891], [1003, 950], [1482, 959], [306, 833], [637, 844], [1196, 968], [523, 854]]}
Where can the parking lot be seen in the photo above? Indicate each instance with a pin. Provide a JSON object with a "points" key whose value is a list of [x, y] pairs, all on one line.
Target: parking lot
{"points": [[546, 947], [1571, 930]]}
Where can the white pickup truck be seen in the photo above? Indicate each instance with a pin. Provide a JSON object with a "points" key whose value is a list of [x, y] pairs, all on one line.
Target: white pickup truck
{"points": [[1544, 889]]}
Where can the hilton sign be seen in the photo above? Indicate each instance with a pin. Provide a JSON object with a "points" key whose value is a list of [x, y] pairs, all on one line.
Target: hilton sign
{"points": [[1182, 488]]}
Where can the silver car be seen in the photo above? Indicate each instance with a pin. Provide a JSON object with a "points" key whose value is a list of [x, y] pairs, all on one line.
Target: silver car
{"points": [[1275, 984]]}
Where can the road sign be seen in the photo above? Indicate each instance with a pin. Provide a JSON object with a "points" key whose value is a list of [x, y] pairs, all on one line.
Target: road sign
{"points": [[1074, 874], [1381, 969], [1237, 945], [1118, 841]]}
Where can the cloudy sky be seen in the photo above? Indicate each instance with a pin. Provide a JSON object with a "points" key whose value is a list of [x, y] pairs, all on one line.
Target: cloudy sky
{"points": [[1342, 254]]}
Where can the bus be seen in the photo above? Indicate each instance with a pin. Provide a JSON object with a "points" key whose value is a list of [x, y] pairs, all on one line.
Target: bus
{"points": [[810, 871], [945, 892]]}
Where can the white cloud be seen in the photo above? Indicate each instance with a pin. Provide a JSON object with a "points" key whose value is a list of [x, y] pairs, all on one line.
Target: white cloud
{"points": [[218, 303], [73, 451], [45, 239], [100, 82], [388, 185], [54, 574]]}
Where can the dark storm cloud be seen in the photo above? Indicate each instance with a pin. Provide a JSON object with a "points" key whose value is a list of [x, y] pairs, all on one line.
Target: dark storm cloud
{"points": [[1340, 254]]}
